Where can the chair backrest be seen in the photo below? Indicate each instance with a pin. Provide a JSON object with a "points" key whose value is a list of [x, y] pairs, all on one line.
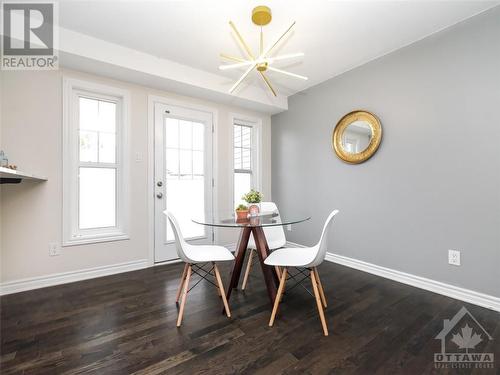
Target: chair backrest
{"points": [[180, 244], [321, 246], [276, 234]]}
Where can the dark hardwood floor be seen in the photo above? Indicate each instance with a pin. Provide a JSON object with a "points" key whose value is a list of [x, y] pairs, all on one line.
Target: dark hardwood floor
{"points": [[125, 324]]}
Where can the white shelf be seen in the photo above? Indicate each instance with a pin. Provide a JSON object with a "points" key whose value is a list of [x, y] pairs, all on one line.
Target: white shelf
{"points": [[15, 174]]}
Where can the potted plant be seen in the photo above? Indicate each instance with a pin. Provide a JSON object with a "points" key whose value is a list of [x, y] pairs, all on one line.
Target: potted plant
{"points": [[253, 198], [241, 212]]}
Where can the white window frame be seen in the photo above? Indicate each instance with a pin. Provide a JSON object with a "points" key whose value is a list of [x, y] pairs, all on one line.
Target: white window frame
{"points": [[256, 124], [72, 234]]}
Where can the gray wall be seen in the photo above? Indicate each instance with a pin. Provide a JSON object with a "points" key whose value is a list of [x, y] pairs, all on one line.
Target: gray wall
{"points": [[434, 183]]}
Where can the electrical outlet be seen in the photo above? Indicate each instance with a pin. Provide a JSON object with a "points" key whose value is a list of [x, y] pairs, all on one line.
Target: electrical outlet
{"points": [[289, 227], [54, 249], [138, 157], [454, 257]]}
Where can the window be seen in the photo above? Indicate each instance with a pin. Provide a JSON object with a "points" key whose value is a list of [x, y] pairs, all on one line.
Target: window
{"points": [[95, 178], [246, 158]]}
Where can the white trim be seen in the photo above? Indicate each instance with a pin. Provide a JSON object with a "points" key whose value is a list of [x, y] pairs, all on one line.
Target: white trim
{"points": [[167, 262], [448, 290], [293, 244], [256, 123], [70, 277], [120, 232], [462, 294], [150, 181], [152, 99]]}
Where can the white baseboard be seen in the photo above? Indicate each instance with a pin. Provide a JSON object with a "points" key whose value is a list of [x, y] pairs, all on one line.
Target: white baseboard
{"points": [[166, 262], [462, 294], [293, 244], [69, 277]]}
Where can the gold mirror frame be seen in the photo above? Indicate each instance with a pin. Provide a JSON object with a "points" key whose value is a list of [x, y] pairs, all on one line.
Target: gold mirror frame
{"points": [[344, 122]]}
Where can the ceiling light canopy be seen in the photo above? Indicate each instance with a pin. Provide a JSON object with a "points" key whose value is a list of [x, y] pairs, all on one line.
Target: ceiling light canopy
{"points": [[261, 16]]}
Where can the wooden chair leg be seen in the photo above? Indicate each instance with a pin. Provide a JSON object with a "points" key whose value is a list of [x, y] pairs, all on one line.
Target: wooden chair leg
{"points": [[318, 302], [181, 283], [320, 286], [219, 292], [278, 271], [249, 267], [277, 300], [184, 296], [221, 287]]}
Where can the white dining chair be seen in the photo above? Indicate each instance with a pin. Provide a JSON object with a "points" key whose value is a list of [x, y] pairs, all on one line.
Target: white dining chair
{"points": [[308, 258], [195, 256], [275, 237]]}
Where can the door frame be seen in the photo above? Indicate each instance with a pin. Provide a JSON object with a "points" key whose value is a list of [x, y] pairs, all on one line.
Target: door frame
{"points": [[152, 100]]}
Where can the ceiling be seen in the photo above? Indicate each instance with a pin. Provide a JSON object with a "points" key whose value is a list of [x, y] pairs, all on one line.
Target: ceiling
{"points": [[335, 36]]}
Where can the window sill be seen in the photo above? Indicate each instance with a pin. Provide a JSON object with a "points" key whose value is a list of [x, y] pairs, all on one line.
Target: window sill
{"points": [[88, 240]]}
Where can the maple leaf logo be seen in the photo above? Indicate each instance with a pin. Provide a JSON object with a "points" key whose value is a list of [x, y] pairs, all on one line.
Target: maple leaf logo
{"points": [[467, 340]]}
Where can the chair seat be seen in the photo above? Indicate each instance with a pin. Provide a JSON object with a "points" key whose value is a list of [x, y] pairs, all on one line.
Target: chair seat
{"points": [[291, 257], [208, 253]]}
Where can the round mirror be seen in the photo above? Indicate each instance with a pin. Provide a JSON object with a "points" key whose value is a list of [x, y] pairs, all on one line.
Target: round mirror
{"points": [[357, 136]]}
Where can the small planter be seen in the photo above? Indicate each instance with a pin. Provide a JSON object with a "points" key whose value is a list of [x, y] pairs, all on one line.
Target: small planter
{"points": [[242, 215]]}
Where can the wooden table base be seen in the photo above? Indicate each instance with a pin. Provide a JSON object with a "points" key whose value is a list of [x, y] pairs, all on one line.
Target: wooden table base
{"points": [[263, 251]]}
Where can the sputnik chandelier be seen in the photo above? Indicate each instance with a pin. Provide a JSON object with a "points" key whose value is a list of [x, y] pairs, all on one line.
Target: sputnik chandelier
{"points": [[261, 16]]}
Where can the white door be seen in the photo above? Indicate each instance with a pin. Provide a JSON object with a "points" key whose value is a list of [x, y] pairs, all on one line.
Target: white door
{"points": [[183, 175]]}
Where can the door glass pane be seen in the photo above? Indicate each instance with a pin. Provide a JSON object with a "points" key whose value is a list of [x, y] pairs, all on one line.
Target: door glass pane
{"points": [[186, 200], [185, 140], [97, 193], [172, 159], [242, 185], [186, 164], [185, 183], [198, 163], [198, 136], [172, 132]]}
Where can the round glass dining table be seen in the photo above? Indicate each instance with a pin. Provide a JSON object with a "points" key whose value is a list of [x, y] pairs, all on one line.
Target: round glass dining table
{"points": [[252, 225]]}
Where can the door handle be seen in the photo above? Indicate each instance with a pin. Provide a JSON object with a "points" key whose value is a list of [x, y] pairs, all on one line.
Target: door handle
{"points": [[159, 195], [159, 184]]}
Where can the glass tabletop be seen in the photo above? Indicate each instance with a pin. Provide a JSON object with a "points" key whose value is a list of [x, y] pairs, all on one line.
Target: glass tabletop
{"points": [[264, 219]]}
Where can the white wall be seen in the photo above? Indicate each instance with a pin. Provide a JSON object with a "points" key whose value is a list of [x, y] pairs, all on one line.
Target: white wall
{"points": [[31, 213]]}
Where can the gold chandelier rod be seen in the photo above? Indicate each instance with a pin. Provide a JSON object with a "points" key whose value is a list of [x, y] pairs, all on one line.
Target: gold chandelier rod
{"points": [[232, 58], [269, 50], [268, 83], [242, 42]]}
